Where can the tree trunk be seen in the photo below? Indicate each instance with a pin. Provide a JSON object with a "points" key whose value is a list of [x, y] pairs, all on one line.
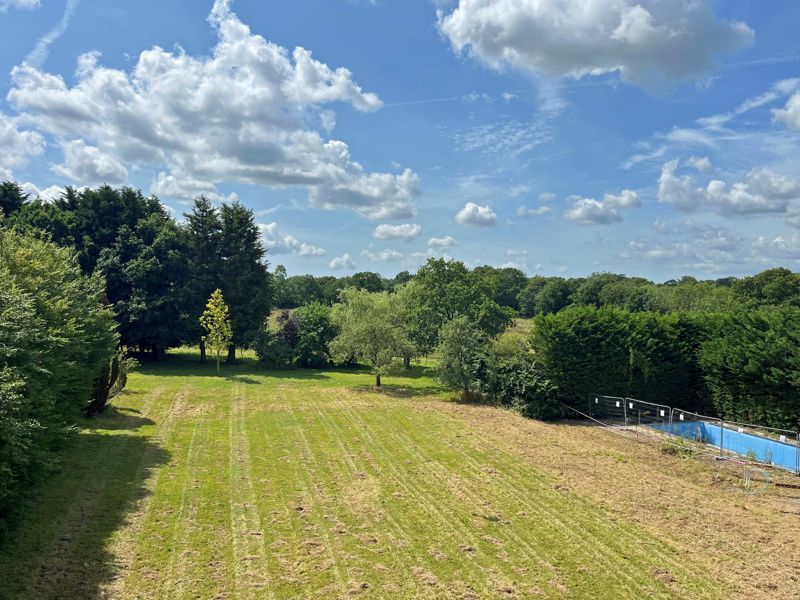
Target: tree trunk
{"points": [[202, 352], [406, 362], [377, 380], [231, 354]]}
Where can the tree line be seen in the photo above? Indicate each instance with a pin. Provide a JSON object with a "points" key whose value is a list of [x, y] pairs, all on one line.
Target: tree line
{"points": [[97, 274]]}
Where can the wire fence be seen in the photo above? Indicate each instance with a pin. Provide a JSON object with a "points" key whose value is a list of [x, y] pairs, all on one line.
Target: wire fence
{"points": [[749, 442]]}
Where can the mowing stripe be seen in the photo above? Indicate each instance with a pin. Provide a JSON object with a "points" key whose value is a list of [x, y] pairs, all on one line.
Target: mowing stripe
{"points": [[250, 562]]}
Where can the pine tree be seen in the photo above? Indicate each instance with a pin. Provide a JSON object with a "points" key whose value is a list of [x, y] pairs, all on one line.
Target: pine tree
{"points": [[204, 239], [245, 279], [217, 323]]}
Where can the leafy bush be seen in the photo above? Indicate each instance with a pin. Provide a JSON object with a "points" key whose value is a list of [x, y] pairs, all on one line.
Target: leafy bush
{"points": [[516, 380], [272, 351], [56, 339], [645, 355], [316, 332], [752, 367], [462, 352]]}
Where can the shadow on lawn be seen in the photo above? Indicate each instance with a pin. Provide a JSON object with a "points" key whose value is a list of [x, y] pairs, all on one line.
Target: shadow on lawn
{"points": [[58, 547], [394, 390]]}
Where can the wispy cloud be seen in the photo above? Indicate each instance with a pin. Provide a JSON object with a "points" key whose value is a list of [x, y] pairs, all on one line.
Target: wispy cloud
{"points": [[38, 55]]}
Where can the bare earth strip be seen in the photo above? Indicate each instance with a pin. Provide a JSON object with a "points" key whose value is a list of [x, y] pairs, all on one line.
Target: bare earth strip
{"points": [[310, 485]]}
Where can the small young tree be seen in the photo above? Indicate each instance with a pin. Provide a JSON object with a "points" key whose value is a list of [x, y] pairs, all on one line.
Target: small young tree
{"points": [[217, 323], [367, 331], [462, 351]]}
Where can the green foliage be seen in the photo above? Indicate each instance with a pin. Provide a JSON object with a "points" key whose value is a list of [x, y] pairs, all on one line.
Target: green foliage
{"points": [[216, 322], [512, 377], [752, 367], [446, 289], [367, 333], [317, 331], [272, 351], [12, 198], [245, 280], [584, 350], [204, 253], [148, 283], [774, 287], [462, 351], [590, 290], [56, 339]]}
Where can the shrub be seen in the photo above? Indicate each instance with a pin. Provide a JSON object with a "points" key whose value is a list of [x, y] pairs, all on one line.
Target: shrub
{"points": [[316, 332], [511, 377], [272, 351], [57, 338]]}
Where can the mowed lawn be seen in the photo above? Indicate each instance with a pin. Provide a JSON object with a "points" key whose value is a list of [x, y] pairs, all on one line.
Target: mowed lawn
{"points": [[309, 484]]}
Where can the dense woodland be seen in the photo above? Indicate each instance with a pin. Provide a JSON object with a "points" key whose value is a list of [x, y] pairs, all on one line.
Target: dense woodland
{"points": [[102, 276]]}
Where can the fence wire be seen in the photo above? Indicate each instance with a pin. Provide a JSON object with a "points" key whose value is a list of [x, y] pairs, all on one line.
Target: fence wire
{"points": [[726, 439]]}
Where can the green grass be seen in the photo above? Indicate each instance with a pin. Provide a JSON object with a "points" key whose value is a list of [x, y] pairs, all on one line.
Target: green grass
{"points": [[309, 484]]}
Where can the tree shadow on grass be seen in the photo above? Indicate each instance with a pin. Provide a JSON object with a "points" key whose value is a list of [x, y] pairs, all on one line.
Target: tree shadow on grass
{"points": [[393, 390], [115, 418], [58, 547]]}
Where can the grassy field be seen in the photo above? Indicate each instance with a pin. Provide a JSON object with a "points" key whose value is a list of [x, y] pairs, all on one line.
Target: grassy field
{"points": [[309, 484]]}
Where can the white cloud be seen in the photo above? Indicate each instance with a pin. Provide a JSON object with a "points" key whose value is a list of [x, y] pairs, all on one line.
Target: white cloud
{"points": [[38, 55], [442, 242], [714, 249], [504, 138], [286, 244], [700, 163], [645, 41], [480, 216], [247, 113], [519, 190], [89, 165], [23, 4], [761, 191], [588, 211], [525, 212], [382, 256], [48, 194], [790, 114], [18, 146], [345, 261], [547, 197], [406, 231]]}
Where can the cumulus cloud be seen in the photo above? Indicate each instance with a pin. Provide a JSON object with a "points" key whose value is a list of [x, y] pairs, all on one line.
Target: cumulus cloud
{"points": [[645, 41], [700, 163], [286, 244], [714, 248], [406, 231], [790, 114], [24, 4], [525, 212], [547, 197], [479, 216], [250, 112], [442, 242], [761, 191], [588, 211], [89, 165], [382, 256], [18, 145], [345, 261]]}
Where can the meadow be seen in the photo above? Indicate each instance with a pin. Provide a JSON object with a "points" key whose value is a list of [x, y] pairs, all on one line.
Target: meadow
{"points": [[312, 484]]}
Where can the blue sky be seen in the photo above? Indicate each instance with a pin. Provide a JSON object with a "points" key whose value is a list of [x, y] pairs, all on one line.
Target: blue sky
{"points": [[562, 137]]}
